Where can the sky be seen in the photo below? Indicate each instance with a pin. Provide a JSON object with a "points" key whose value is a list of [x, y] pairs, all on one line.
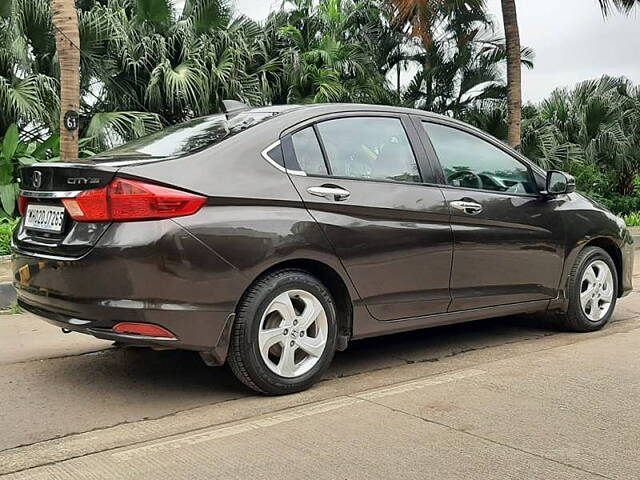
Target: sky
{"points": [[572, 41]]}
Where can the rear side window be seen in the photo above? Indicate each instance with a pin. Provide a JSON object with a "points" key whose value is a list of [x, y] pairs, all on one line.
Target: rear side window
{"points": [[308, 152], [275, 155], [369, 148]]}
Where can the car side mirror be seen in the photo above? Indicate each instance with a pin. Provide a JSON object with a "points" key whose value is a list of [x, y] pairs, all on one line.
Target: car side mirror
{"points": [[559, 183]]}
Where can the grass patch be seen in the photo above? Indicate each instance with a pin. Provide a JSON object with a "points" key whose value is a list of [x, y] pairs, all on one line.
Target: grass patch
{"points": [[6, 230], [632, 219]]}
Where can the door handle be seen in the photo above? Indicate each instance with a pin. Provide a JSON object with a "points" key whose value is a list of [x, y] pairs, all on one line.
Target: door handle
{"points": [[330, 192], [470, 208]]}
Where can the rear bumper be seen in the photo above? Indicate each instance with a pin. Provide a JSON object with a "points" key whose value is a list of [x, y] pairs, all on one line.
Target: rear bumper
{"points": [[200, 332], [143, 272]]}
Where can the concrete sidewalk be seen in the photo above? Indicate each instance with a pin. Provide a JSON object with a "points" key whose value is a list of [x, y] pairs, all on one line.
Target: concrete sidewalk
{"points": [[26, 337]]}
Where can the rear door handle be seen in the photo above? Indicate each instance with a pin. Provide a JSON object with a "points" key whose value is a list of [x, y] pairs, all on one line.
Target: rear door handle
{"points": [[330, 192], [468, 207]]}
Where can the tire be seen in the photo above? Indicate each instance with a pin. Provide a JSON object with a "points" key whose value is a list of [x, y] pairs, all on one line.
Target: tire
{"points": [[271, 343], [581, 318]]}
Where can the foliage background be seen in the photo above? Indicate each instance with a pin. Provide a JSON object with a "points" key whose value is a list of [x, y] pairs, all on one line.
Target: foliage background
{"points": [[146, 66]]}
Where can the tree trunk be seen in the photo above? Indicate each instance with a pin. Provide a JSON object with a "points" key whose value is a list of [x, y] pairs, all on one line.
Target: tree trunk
{"points": [[398, 72], [65, 20], [514, 74]]}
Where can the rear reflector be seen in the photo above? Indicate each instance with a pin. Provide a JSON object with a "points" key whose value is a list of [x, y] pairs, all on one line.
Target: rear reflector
{"points": [[127, 200], [145, 329]]}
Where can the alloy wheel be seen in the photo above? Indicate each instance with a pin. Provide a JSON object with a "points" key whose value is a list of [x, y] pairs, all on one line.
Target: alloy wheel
{"points": [[596, 290], [293, 333]]}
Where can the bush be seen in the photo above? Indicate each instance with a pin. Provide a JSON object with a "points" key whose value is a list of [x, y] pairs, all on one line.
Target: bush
{"points": [[632, 220], [6, 230], [621, 204]]}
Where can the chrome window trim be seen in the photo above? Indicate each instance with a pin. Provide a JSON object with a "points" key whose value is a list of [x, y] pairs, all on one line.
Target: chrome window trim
{"points": [[37, 194], [265, 155]]}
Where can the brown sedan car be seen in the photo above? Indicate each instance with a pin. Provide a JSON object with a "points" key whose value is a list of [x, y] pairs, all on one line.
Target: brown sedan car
{"points": [[270, 238]]}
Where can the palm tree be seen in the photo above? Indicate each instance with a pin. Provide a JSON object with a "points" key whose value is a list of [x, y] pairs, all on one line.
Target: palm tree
{"points": [[28, 94], [420, 18], [179, 66], [143, 65], [624, 6], [462, 64], [456, 83], [514, 74], [65, 21], [325, 53], [29, 72], [592, 131]]}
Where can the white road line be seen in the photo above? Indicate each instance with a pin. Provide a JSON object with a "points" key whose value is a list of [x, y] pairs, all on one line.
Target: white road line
{"points": [[183, 440]]}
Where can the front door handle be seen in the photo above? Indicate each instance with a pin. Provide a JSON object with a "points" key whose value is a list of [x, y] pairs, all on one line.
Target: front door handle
{"points": [[468, 207], [330, 192]]}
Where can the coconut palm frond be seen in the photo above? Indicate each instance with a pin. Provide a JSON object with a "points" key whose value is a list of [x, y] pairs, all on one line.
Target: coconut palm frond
{"points": [[106, 129]]}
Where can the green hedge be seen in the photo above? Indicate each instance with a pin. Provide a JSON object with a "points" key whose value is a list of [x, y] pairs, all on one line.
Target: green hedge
{"points": [[6, 230], [621, 205]]}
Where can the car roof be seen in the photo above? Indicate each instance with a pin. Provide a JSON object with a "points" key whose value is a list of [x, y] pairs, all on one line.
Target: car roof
{"points": [[315, 109]]}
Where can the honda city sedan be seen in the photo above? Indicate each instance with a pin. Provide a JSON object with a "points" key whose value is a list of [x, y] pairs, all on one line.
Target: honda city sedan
{"points": [[269, 238]]}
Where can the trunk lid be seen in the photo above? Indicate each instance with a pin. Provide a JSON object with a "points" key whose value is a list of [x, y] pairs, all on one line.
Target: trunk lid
{"points": [[46, 184]]}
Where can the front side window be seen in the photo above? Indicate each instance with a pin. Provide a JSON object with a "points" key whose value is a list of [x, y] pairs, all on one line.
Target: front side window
{"points": [[470, 162], [368, 148]]}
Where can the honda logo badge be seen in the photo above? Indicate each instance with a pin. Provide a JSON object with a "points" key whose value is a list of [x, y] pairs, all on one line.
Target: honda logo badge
{"points": [[36, 180]]}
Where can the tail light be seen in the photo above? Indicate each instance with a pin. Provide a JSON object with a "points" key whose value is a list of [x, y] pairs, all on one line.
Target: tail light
{"points": [[127, 200], [22, 205]]}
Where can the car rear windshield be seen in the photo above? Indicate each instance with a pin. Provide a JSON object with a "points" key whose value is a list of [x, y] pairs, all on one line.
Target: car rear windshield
{"points": [[187, 137]]}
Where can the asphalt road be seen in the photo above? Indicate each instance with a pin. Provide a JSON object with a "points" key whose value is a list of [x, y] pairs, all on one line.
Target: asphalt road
{"points": [[503, 398]]}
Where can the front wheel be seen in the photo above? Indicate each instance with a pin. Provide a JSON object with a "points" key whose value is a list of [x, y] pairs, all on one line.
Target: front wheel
{"points": [[592, 291], [284, 334]]}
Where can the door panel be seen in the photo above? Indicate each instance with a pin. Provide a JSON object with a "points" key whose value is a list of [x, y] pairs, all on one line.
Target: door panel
{"points": [[508, 240], [394, 240], [510, 252]]}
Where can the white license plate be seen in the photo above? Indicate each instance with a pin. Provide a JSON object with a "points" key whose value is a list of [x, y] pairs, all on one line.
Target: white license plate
{"points": [[47, 218]]}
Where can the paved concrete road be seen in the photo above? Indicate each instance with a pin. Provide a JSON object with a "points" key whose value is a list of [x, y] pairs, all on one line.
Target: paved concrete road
{"points": [[505, 398]]}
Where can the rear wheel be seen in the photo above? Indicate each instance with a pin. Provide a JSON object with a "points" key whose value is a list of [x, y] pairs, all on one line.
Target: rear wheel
{"points": [[284, 335], [593, 287]]}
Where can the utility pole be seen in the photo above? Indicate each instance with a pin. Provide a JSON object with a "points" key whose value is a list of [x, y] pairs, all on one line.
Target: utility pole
{"points": [[65, 22]]}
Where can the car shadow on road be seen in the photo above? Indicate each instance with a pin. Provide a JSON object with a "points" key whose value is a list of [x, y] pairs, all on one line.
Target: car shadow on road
{"points": [[438, 343], [183, 374]]}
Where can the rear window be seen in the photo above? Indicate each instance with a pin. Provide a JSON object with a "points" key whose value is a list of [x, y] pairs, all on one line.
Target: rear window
{"points": [[187, 137]]}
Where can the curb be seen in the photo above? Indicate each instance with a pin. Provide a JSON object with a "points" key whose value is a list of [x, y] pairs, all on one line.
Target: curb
{"points": [[7, 291], [7, 295], [635, 234]]}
